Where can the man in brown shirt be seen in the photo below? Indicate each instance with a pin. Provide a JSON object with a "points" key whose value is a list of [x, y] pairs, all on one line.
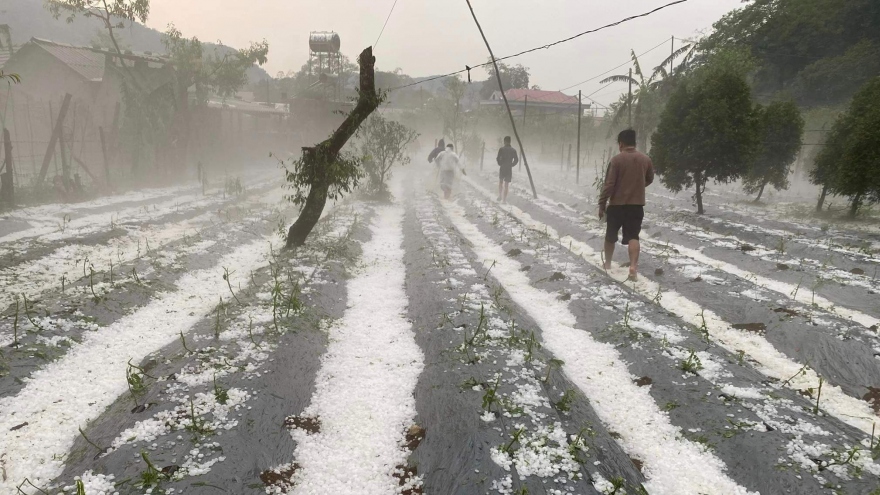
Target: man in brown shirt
{"points": [[624, 192]]}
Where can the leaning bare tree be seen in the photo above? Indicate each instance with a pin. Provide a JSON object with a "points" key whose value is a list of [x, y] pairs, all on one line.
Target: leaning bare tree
{"points": [[322, 172]]}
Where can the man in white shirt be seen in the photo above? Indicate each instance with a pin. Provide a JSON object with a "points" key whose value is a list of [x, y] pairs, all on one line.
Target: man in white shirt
{"points": [[449, 164]]}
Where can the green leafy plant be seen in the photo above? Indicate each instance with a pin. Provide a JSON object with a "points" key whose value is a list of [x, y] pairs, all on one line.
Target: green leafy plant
{"points": [[564, 402], [692, 364]]}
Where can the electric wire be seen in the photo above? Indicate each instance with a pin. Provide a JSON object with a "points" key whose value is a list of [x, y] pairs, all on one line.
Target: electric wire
{"points": [[386, 23], [543, 47]]}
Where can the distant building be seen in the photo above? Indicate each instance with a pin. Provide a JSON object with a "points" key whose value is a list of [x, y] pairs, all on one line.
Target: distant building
{"points": [[535, 100], [91, 75]]}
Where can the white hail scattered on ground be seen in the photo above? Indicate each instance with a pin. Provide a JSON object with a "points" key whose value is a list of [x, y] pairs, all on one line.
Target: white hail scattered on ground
{"points": [[364, 389], [672, 464], [771, 362], [72, 391]]}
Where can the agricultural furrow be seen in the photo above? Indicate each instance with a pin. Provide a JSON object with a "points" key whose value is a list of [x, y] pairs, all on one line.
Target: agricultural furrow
{"points": [[489, 393], [696, 265], [44, 416], [691, 307], [714, 396], [214, 403], [671, 463], [74, 261], [53, 232], [836, 281], [351, 438], [45, 329]]}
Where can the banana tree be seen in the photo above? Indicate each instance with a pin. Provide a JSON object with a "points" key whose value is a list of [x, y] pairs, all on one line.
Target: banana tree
{"points": [[644, 104], [649, 93]]}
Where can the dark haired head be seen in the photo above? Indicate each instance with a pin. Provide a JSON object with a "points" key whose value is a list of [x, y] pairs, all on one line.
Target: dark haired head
{"points": [[627, 137], [506, 139], [450, 146]]}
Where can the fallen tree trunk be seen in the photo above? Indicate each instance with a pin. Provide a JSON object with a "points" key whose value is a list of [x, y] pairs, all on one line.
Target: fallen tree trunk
{"points": [[318, 159]]}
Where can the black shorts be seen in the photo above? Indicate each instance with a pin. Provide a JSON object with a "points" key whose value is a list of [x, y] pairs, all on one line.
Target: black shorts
{"points": [[505, 174], [628, 217]]}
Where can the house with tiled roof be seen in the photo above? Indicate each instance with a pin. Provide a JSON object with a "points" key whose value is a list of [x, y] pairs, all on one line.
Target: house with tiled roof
{"points": [[535, 100]]}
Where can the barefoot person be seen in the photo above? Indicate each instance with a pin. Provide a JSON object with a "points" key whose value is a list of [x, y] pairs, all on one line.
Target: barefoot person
{"points": [[624, 192], [507, 159], [449, 164]]}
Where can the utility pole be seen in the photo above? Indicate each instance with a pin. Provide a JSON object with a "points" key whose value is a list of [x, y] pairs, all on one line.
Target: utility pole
{"points": [[671, 57], [525, 109], [482, 155], [506, 103], [630, 98], [580, 114]]}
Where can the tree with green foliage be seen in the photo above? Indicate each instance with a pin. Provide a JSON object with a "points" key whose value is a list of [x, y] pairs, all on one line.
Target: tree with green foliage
{"points": [[322, 171], [383, 145], [111, 13], [821, 51], [781, 130], [512, 77], [708, 130], [450, 106], [849, 165], [222, 74]]}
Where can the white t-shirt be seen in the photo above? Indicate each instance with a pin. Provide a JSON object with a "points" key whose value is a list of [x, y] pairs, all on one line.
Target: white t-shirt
{"points": [[448, 161]]}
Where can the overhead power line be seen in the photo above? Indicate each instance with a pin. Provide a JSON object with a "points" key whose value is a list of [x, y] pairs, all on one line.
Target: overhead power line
{"points": [[544, 47], [386, 23]]}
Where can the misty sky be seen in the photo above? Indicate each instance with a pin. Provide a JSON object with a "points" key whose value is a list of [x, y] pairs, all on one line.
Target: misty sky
{"points": [[428, 37]]}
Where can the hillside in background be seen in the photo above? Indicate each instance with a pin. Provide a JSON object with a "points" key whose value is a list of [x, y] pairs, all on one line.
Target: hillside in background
{"points": [[29, 19]]}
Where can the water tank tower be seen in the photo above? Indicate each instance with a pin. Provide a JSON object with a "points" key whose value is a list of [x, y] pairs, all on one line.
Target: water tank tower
{"points": [[325, 61]]}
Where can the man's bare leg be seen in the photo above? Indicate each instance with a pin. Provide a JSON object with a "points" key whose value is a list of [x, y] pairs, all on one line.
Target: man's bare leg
{"points": [[609, 253], [506, 189], [634, 249], [500, 189]]}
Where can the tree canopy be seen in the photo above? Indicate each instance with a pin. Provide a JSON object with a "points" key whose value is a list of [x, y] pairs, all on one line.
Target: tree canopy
{"points": [[708, 130], [849, 164], [819, 50], [781, 129], [512, 77]]}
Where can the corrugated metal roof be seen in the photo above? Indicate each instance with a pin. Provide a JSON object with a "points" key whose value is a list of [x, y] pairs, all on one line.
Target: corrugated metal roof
{"points": [[85, 61]]}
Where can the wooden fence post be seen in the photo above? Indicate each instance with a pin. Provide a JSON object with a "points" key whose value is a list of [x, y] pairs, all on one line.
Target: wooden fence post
{"points": [[53, 141]]}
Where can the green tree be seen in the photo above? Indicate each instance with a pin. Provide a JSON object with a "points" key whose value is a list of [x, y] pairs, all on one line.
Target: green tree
{"points": [[516, 77], [383, 145], [708, 131], [111, 13], [451, 109], [805, 45], [781, 130], [849, 165], [323, 172], [205, 73]]}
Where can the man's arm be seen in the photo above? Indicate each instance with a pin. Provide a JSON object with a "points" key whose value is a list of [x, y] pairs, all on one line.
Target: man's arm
{"points": [[515, 158], [500, 156], [649, 174], [608, 188]]}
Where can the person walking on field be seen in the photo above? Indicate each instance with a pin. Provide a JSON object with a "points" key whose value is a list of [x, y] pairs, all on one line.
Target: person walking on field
{"points": [[507, 159], [449, 164], [441, 147], [629, 173]]}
